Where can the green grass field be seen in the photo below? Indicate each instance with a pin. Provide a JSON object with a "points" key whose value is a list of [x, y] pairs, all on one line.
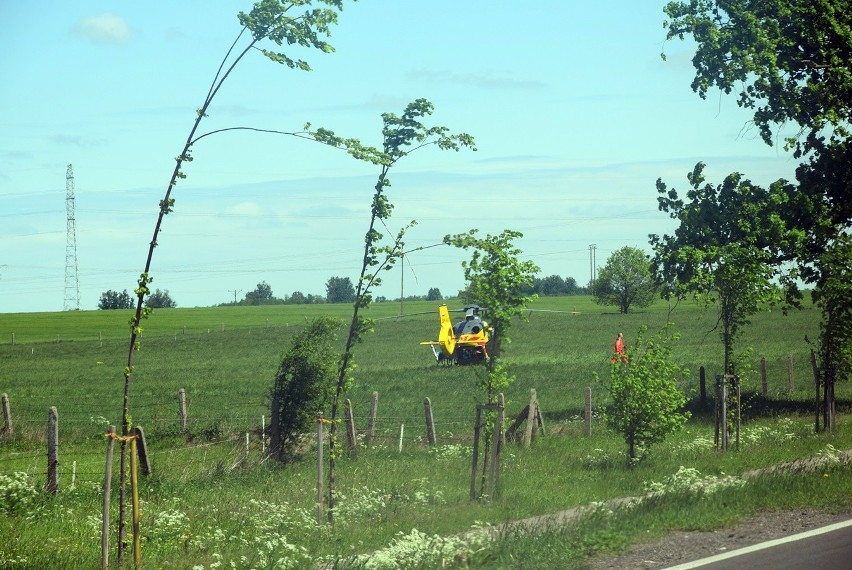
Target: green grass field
{"points": [[213, 498]]}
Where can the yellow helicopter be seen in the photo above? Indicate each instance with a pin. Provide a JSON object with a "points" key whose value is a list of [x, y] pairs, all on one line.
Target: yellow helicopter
{"points": [[463, 342]]}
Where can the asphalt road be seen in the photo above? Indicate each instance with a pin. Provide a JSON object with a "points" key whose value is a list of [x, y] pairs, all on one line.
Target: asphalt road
{"points": [[825, 548]]}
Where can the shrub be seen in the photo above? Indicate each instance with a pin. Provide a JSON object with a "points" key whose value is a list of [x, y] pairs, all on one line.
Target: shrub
{"points": [[17, 492], [304, 385]]}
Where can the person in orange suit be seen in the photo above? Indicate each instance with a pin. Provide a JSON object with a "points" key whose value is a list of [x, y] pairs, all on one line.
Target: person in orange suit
{"points": [[619, 349]]}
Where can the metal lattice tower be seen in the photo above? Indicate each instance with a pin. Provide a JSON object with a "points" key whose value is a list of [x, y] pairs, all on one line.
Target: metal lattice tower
{"points": [[72, 283]]}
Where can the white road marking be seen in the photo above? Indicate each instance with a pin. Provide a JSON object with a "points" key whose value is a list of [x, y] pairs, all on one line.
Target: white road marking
{"points": [[761, 546]]}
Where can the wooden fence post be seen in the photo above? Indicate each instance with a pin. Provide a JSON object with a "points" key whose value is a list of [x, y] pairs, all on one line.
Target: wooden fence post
{"points": [[107, 489], [371, 426], [52, 451], [702, 387], [182, 409], [790, 372], [764, 385], [430, 424], [828, 403], [142, 448], [7, 417], [723, 414], [717, 415], [475, 463], [351, 442], [817, 397], [736, 380], [532, 414], [587, 410], [494, 468]]}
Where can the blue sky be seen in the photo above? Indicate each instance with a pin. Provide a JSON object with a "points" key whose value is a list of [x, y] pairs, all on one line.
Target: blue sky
{"points": [[574, 113]]}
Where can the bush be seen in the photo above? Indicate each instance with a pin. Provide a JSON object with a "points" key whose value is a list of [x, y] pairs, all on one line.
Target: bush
{"points": [[304, 385], [16, 493], [646, 401]]}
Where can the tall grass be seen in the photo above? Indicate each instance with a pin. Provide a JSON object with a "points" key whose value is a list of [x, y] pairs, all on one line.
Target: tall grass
{"points": [[212, 501]]}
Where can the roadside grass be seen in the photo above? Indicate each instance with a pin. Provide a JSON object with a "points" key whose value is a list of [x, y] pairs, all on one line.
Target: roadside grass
{"points": [[610, 530], [215, 503], [212, 499]]}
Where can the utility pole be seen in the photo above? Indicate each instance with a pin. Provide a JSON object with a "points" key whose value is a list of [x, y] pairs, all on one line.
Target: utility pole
{"points": [[592, 265], [235, 291], [72, 283], [401, 281]]}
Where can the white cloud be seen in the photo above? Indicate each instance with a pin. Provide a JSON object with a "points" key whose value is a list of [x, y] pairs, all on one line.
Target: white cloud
{"points": [[105, 29], [246, 209]]}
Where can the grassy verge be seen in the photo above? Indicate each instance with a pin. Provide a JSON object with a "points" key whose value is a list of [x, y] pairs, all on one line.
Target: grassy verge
{"points": [[212, 504], [212, 499]]}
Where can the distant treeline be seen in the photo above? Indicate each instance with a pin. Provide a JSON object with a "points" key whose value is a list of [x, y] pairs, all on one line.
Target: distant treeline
{"points": [[555, 285], [341, 290]]}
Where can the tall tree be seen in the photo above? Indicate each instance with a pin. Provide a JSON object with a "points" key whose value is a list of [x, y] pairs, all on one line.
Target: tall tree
{"points": [[626, 280], [297, 298], [288, 24], [551, 285], [114, 300], [833, 296], [401, 135], [496, 279], [789, 61], [160, 300], [261, 295], [725, 250], [571, 287], [339, 290]]}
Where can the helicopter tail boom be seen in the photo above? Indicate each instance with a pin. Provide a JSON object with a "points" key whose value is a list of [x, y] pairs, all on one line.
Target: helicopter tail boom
{"points": [[446, 337]]}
